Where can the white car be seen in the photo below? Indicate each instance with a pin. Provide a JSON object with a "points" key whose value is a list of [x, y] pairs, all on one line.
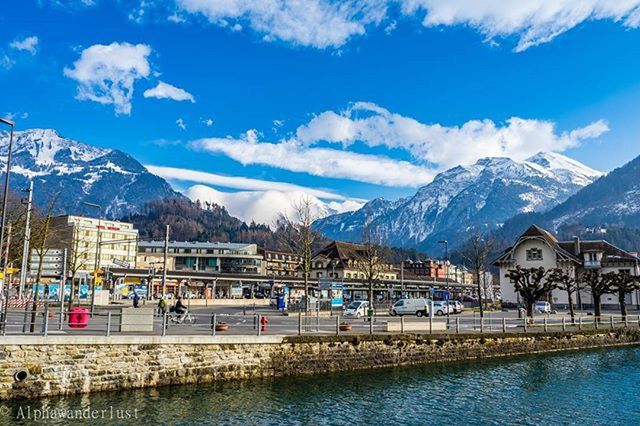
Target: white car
{"points": [[356, 309], [455, 306], [418, 307], [440, 308], [542, 307]]}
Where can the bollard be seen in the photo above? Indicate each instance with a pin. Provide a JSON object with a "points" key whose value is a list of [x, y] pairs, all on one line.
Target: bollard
{"points": [[371, 324], [638, 320], [481, 324], [457, 325], [45, 323], [524, 323], [595, 322], [611, 321], [317, 320], [338, 325], [490, 321], [257, 317], [626, 322], [108, 324], [3, 324], [164, 323], [504, 325], [244, 309], [564, 324], [401, 324], [544, 324], [580, 323], [213, 324], [430, 324], [299, 324]]}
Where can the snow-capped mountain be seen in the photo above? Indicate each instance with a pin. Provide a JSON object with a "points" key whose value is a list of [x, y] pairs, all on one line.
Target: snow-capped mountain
{"points": [[480, 196], [79, 172]]}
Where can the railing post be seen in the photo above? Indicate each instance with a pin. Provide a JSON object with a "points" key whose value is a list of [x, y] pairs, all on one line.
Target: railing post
{"points": [[626, 322], [108, 331], [338, 325], [164, 323], [3, 324], [524, 323], [401, 324], [45, 323], [213, 324], [544, 324], [430, 324], [504, 325], [638, 320], [457, 325], [258, 325], [595, 322], [481, 324], [611, 321], [299, 324], [580, 323], [371, 324], [564, 324]]}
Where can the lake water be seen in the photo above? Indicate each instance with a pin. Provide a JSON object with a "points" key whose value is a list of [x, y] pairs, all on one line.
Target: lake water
{"points": [[582, 388]]}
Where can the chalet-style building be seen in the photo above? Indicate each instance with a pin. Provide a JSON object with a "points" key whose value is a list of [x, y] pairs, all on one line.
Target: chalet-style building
{"points": [[538, 247], [279, 263], [341, 261]]}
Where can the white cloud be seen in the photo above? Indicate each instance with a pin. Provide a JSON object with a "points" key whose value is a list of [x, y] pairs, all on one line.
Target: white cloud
{"points": [[534, 21], [207, 122], [167, 91], [28, 44], [329, 23], [180, 123], [290, 155], [317, 23], [265, 206], [106, 73], [443, 146], [234, 182]]}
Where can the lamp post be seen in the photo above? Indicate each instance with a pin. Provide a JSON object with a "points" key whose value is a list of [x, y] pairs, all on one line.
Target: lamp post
{"points": [[97, 256], [4, 204], [446, 273]]}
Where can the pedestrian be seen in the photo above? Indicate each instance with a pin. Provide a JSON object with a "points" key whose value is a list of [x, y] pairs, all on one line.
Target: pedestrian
{"points": [[162, 306], [136, 300]]}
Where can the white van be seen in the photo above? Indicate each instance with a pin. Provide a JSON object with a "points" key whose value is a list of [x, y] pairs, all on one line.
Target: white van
{"points": [[356, 309], [418, 307]]}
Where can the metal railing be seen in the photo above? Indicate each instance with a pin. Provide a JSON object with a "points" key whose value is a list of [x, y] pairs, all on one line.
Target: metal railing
{"points": [[49, 322]]}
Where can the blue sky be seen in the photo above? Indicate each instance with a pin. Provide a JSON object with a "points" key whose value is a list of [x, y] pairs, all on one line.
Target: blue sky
{"points": [[400, 82]]}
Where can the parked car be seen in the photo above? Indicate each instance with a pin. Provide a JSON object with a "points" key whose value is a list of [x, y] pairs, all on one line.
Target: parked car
{"points": [[440, 308], [418, 307], [542, 307], [356, 309], [455, 306]]}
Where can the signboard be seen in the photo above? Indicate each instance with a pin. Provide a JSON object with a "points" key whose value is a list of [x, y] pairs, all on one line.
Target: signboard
{"points": [[121, 263], [337, 299], [324, 283]]}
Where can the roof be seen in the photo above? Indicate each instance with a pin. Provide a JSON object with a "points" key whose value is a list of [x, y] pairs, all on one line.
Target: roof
{"points": [[340, 250], [536, 232], [610, 251], [196, 245]]}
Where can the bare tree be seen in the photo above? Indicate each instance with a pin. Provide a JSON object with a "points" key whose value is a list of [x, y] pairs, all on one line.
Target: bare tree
{"points": [[569, 284], [369, 258], [624, 283], [599, 284], [532, 284], [298, 236], [475, 252]]}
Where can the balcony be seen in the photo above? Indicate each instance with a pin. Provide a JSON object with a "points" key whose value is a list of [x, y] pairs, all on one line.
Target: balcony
{"points": [[592, 264]]}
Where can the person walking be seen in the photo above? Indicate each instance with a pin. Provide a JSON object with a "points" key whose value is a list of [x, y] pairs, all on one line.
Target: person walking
{"points": [[136, 300], [162, 306]]}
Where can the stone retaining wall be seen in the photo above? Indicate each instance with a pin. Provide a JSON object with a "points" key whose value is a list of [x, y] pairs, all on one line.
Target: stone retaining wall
{"points": [[101, 364]]}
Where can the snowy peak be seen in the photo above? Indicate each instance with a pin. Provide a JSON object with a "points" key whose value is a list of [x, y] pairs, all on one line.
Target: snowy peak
{"points": [[565, 167]]}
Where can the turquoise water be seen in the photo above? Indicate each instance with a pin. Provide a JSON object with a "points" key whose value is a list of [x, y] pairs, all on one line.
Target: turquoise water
{"points": [[582, 388]]}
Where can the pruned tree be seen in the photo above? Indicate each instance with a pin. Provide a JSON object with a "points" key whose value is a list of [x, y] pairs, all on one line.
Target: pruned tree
{"points": [[369, 258], [296, 233], [475, 252], [566, 282], [599, 284], [532, 284], [623, 283]]}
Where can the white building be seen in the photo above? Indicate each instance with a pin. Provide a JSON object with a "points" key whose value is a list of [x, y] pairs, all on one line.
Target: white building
{"points": [[537, 247]]}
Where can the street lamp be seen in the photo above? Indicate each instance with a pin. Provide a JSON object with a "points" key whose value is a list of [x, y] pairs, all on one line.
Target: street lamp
{"points": [[97, 257], [4, 204], [446, 264]]}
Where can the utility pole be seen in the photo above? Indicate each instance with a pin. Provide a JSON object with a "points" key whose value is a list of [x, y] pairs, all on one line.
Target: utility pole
{"points": [[25, 246], [164, 261]]}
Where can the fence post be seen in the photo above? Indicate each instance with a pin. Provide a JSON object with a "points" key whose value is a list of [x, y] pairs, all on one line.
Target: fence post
{"points": [[504, 325], [430, 324], [299, 324], [258, 324], [371, 324], [164, 323], [108, 333], [544, 324], [595, 322], [318, 318], [401, 324], [338, 325], [457, 325], [3, 323], [481, 324], [611, 321], [580, 323], [638, 320], [490, 321], [524, 323], [564, 324], [213, 324], [626, 322], [45, 323]]}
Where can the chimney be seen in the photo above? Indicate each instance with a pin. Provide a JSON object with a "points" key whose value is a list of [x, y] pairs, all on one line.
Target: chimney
{"points": [[576, 245]]}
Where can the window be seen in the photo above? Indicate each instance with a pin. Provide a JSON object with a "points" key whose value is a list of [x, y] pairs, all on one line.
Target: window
{"points": [[534, 254]]}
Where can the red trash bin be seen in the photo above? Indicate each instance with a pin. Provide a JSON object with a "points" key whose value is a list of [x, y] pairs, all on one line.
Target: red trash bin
{"points": [[78, 318]]}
